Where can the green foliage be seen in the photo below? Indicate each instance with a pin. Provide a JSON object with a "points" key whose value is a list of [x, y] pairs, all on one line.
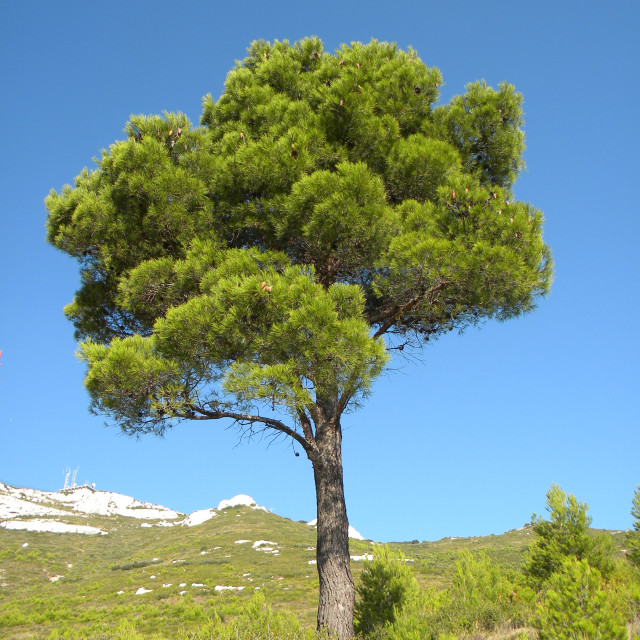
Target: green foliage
{"points": [[633, 537], [257, 621], [578, 606], [286, 339], [251, 267], [565, 535], [482, 596], [417, 619], [484, 125], [256, 260], [387, 584], [624, 583], [260, 622], [480, 600], [85, 603]]}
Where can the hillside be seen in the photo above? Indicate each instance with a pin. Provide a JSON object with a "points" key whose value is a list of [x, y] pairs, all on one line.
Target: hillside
{"points": [[84, 560]]}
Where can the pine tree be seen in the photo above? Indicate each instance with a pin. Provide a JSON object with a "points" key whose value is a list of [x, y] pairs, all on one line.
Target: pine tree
{"points": [[633, 537], [577, 606], [565, 535], [387, 584], [258, 268], [481, 594]]}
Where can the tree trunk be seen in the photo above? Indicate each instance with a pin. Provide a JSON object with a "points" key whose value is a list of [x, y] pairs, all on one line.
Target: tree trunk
{"points": [[337, 593]]}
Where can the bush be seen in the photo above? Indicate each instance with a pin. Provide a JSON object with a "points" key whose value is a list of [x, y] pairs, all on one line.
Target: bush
{"points": [[482, 596], [577, 606], [625, 583], [387, 584], [416, 620], [481, 599], [633, 536], [260, 622]]}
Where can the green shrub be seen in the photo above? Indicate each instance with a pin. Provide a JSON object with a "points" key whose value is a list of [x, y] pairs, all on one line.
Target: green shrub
{"points": [[12, 617], [482, 596], [387, 584], [417, 619], [137, 564], [260, 622], [481, 599], [625, 583], [566, 534], [633, 536], [578, 606]]}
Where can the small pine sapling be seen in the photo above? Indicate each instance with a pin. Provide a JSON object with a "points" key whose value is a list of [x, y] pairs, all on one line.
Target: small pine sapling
{"points": [[578, 605], [387, 584], [565, 534]]}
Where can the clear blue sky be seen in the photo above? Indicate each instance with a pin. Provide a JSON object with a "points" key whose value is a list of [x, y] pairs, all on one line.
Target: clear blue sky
{"points": [[466, 442]]}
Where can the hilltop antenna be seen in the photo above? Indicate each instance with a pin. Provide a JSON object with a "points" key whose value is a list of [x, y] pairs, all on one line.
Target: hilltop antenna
{"points": [[66, 472], [73, 477]]}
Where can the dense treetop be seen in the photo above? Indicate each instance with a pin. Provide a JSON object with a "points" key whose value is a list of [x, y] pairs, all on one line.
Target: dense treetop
{"points": [[323, 202]]}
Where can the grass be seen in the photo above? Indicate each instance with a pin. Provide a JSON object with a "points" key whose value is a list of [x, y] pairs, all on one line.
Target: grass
{"points": [[69, 584]]}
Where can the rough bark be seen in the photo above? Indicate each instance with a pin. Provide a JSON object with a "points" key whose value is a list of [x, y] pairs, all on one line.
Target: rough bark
{"points": [[337, 593]]}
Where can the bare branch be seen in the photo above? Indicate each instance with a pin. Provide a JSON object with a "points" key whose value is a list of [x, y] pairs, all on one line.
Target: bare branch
{"points": [[306, 426], [342, 402], [244, 419]]}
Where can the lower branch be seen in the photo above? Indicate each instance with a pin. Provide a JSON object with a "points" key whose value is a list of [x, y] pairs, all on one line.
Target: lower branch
{"points": [[200, 413]]}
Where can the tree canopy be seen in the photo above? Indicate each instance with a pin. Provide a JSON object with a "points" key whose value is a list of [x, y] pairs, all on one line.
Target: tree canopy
{"points": [[334, 179], [565, 535], [259, 266], [633, 536]]}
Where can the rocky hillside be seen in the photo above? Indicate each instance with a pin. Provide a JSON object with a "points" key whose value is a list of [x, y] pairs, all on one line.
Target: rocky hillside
{"points": [[82, 559], [82, 562]]}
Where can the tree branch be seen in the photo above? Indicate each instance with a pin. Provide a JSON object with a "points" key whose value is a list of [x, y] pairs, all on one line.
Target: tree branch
{"points": [[247, 418], [343, 400], [407, 306], [306, 427]]}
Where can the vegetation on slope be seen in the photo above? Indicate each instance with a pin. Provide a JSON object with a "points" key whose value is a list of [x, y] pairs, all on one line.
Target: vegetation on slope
{"points": [[157, 582]]}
